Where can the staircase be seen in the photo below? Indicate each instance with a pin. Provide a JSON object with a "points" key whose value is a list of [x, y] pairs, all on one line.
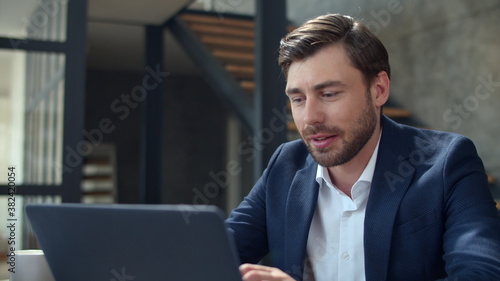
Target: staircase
{"points": [[231, 41]]}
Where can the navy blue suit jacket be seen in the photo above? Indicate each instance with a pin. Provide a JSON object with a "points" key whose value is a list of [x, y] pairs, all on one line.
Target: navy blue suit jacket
{"points": [[430, 213]]}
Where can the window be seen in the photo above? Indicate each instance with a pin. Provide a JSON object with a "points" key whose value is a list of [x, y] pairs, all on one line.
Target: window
{"points": [[42, 58]]}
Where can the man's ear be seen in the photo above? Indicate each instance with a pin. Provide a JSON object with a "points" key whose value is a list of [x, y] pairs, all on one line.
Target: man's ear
{"points": [[380, 89]]}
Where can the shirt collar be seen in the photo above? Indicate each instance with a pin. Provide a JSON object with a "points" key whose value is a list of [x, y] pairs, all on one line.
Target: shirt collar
{"points": [[322, 175]]}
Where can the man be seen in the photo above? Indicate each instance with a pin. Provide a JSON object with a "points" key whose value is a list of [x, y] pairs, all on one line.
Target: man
{"points": [[361, 197]]}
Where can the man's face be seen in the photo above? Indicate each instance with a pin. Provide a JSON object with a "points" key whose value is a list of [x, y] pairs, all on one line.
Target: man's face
{"points": [[331, 106]]}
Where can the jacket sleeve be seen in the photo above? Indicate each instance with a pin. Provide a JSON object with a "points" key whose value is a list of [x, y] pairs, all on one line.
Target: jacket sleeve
{"points": [[471, 240], [247, 223]]}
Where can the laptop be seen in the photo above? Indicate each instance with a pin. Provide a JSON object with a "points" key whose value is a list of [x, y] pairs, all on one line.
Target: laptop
{"points": [[135, 242]]}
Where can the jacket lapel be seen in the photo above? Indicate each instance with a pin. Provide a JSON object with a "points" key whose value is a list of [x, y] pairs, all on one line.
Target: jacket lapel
{"points": [[301, 204], [391, 179]]}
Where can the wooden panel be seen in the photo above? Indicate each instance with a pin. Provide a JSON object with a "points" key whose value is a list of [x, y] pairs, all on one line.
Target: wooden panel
{"points": [[231, 56], [393, 112], [240, 71], [216, 41], [212, 19], [248, 85], [491, 179], [222, 30]]}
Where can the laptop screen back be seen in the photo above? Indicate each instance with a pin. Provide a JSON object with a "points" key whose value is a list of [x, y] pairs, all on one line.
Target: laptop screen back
{"points": [[135, 242]]}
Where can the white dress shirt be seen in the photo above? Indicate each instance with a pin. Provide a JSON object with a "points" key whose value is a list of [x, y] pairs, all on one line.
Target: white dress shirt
{"points": [[335, 244]]}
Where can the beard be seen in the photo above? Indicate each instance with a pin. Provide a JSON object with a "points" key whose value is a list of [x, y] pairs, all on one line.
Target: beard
{"points": [[349, 145]]}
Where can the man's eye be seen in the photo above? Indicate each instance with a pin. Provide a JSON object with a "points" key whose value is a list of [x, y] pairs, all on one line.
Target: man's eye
{"points": [[297, 100], [330, 94]]}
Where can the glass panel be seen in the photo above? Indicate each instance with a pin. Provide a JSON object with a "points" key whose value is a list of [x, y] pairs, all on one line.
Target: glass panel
{"points": [[33, 19], [31, 116]]}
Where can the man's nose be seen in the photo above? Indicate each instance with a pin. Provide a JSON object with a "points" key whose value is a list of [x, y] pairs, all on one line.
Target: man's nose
{"points": [[313, 113]]}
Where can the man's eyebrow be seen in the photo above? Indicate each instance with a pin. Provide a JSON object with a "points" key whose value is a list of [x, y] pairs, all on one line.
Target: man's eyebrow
{"points": [[329, 83], [326, 84], [293, 91]]}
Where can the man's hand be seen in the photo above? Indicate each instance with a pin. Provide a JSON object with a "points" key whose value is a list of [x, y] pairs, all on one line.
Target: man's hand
{"points": [[255, 272]]}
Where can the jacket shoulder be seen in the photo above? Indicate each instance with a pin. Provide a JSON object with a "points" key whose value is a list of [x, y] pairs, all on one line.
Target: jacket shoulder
{"points": [[407, 139]]}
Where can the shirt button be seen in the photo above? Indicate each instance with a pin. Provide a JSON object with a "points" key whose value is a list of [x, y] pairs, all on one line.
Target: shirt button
{"points": [[347, 214], [345, 256]]}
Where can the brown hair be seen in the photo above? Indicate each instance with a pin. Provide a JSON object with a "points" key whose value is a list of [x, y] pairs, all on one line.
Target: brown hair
{"points": [[363, 48]]}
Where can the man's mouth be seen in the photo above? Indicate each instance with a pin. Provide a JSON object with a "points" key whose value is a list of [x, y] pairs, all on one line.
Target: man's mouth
{"points": [[322, 141]]}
